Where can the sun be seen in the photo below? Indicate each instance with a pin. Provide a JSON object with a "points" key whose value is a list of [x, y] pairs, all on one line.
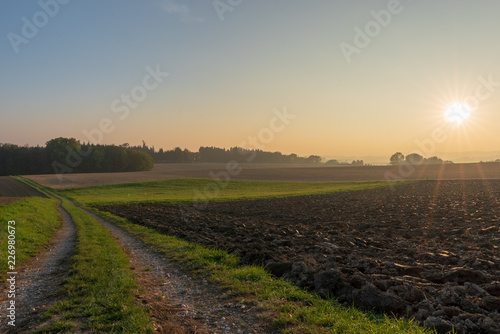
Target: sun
{"points": [[457, 113]]}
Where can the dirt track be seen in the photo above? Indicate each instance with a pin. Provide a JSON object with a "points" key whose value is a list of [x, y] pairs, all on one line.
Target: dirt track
{"points": [[279, 172], [39, 280], [192, 305], [429, 250]]}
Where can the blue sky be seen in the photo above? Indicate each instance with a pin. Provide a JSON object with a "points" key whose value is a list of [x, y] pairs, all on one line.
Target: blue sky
{"points": [[226, 77]]}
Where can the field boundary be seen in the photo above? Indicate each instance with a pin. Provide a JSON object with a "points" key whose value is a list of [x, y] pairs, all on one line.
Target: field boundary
{"points": [[297, 311]]}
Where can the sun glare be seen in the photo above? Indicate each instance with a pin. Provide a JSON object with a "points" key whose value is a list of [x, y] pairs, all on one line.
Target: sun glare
{"points": [[457, 113]]}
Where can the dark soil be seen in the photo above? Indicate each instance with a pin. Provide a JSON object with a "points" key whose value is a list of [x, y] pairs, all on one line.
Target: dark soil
{"points": [[10, 187], [429, 250]]}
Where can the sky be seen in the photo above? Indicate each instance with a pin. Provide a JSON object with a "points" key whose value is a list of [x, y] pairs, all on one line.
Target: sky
{"points": [[332, 78]]}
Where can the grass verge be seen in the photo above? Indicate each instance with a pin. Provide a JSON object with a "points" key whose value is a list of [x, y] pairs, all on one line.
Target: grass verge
{"points": [[296, 311], [99, 292], [100, 287], [36, 221], [196, 190]]}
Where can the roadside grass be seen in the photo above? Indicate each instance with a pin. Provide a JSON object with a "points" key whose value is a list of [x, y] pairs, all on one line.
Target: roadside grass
{"points": [[37, 220], [200, 190], [99, 293], [295, 310]]}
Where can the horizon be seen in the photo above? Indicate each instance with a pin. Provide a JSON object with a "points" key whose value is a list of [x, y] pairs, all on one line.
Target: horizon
{"points": [[356, 80], [454, 157]]}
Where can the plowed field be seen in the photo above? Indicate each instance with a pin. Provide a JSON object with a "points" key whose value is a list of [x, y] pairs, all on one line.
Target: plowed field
{"points": [[429, 250], [12, 190]]}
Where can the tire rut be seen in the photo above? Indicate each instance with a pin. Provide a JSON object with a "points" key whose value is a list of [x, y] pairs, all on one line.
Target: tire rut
{"points": [[39, 281], [194, 304]]}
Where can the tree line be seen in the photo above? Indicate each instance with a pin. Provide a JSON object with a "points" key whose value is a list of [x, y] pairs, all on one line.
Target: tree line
{"points": [[398, 158], [223, 155], [238, 154], [68, 155]]}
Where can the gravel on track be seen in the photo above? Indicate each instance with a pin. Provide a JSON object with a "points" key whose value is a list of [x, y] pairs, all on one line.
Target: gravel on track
{"points": [[39, 281], [191, 305]]}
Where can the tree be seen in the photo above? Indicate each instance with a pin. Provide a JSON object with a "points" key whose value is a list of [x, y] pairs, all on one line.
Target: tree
{"points": [[332, 162], [116, 159], [414, 159], [292, 158], [59, 148], [313, 159], [434, 160], [139, 161], [98, 157], [397, 158]]}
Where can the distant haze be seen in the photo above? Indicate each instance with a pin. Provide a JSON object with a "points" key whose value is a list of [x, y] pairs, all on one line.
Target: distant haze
{"points": [[457, 157], [362, 79]]}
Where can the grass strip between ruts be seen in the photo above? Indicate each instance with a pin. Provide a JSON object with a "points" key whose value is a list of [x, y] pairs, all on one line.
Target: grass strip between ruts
{"points": [[99, 293]]}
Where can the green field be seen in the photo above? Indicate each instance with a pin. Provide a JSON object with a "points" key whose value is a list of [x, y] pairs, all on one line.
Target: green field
{"points": [[200, 190], [37, 220]]}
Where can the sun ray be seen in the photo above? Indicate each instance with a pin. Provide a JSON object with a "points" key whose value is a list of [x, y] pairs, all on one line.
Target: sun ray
{"points": [[488, 188]]}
